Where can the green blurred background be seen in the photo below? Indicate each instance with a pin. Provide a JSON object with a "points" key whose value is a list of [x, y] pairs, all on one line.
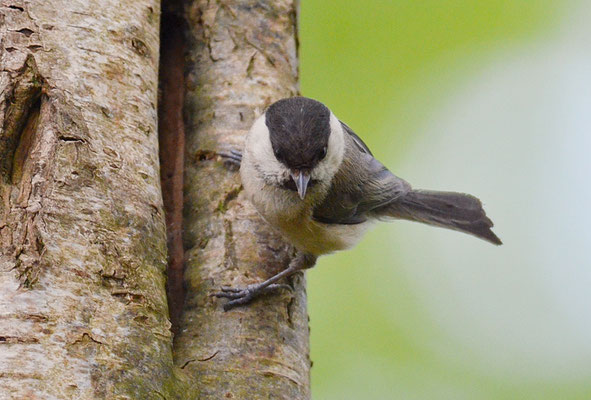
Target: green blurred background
{"points": [[491, 97]]}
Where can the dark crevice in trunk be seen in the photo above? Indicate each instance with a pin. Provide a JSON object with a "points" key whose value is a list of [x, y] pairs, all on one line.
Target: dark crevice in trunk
{"points": [[21, 104], [25, 141], [172, 147]]}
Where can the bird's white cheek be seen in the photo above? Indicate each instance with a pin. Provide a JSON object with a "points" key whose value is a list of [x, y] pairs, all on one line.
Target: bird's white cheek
{"points": [[260, 153]]}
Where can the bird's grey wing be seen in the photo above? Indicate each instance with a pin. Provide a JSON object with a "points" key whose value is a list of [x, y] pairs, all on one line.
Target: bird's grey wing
{"points": [[356, 139], [361, 185]]}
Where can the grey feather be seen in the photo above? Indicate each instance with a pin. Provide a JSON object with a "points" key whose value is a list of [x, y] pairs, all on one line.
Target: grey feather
{"points": [[356, 139], [361, 185], [457, 211]]}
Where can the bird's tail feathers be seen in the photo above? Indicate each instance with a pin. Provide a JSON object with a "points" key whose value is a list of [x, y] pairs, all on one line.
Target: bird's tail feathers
{"points": [[458, 211]]}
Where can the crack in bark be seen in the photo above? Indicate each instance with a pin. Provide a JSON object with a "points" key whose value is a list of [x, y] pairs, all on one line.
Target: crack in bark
{"points": [[13, 7], [65, 138], [172, 147], [25, 31], [86, 338], [22, 106], [200, 359], [25, 141], [5, 339], [205, 155]]}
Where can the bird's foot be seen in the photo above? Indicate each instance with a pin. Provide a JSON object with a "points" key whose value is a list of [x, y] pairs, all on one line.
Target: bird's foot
{"points": [[242, 296], [232, 157]]}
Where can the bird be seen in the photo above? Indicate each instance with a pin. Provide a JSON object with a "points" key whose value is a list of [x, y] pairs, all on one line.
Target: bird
{"points": [[313, 179]]}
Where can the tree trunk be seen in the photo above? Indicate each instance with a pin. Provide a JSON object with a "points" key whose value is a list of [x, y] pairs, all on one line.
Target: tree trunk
{"points": [[83, 238], [83, 310], [242, 56]]}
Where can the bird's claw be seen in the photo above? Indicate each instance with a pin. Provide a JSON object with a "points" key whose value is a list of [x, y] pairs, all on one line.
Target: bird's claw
{"points": [[234, 293], [242, 296], [230, 289], [233, 157]]}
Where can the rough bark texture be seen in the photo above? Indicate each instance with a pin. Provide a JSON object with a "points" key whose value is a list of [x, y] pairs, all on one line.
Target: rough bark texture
{"points": [[83, 310], [242, 56]]}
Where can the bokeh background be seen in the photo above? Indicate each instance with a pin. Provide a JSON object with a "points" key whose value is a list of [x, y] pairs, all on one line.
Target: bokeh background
{"points": [[491, 97]]}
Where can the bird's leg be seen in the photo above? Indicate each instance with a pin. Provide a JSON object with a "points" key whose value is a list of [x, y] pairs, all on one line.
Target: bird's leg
{"points": [[241, 296], [233, 157]]}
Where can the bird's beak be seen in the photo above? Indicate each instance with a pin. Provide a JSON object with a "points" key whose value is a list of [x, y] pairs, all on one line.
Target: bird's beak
{"points": [[301, 180]]}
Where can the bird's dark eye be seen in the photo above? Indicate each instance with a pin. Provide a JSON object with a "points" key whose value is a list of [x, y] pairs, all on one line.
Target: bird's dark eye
{"points": [[278, 154], [322, 153]]}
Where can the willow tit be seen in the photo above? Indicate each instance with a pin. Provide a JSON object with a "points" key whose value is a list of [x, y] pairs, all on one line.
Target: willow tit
{"points": [[315, 181]]}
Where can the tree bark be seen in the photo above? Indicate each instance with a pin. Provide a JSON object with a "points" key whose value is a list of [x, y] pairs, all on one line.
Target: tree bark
{"points": [[241, 57], [83, 238], [83, 310]]}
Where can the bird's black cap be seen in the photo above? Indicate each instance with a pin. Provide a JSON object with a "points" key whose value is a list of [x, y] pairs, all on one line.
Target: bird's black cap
{"points": [[299, 129]]}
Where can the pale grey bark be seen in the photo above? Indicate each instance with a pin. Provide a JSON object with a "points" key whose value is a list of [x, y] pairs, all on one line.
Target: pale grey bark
{"points": [[242, 56], [83, 311]]}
